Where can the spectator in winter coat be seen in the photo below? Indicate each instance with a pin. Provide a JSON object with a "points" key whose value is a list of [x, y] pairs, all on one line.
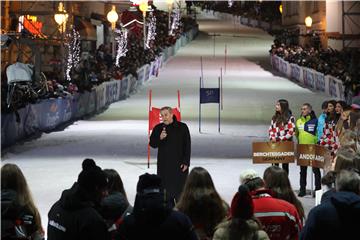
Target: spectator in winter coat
{"points": [[152, 217], [282, 126], [330, 138], [337, 218], [115, 204], [242, 224], [279, 218], [278, 181], [202, 203], [20, 218], [321, 121], [306, 134], [343, 161], [75, 215]]}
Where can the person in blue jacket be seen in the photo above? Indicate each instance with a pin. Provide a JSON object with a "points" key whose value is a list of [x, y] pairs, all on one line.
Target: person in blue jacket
{"points": [[321, 121]]}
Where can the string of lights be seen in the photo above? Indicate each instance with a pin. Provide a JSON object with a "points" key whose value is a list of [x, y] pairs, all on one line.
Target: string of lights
{"points": [[151, 26], [73, 52], [121, 40], [175, 15]]}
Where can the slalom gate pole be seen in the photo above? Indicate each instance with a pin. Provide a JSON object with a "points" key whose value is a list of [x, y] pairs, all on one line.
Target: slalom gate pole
{"points": [[200, 105], [225, 58], [219, 105], [148, 163], [178, 93], [202, 69], [221, 89]]}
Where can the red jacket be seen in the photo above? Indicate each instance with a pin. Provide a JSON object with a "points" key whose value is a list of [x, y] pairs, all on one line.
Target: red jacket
{"points": [[279, 218]]}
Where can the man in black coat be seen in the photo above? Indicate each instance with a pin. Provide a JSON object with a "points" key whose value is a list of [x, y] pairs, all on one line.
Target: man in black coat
{"points": [[75, 215], [172, 138]]}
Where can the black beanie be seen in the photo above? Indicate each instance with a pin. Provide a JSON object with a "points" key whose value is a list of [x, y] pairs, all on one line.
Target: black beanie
{"points": [[148, 181], [91, 176]]}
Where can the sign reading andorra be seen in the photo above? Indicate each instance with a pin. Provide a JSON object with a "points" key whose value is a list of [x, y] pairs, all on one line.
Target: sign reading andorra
{"points": [[269, 152], [311, 155]]}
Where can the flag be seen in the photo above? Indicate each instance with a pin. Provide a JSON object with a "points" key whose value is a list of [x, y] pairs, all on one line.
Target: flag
{"points": [[209, 95]]}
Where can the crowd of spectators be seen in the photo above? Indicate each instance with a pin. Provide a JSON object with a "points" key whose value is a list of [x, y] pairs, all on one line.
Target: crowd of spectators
{"points": [[96, 67], [267, 11], [344, 64], [96, 206]]}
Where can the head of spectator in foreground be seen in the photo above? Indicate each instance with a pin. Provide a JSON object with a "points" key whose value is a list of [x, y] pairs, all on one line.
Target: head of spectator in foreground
{"points": [[92, 181], [242, 206], [348, 181], [167, 115], [348, 139], [328, 179], [277, 180], [282, 112], [251, 179], [150, 207], [201, 202], [115, 183], [344, 159], [13, 180]]}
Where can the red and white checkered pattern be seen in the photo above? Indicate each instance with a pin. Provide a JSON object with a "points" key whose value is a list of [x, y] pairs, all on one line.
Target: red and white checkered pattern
{"points": [[330, 138], [282, 132]]}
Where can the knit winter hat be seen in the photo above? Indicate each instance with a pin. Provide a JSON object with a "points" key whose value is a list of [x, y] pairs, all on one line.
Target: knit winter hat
{"points": [[91, 176], [149, 183], [247, 175], [242, 206]]}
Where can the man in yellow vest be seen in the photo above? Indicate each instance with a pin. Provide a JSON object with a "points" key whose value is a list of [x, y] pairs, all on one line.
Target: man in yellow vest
{"points": [[306, 134]]}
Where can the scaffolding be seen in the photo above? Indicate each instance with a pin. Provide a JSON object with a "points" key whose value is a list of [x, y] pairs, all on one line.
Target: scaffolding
{"points": [[351, 24]]}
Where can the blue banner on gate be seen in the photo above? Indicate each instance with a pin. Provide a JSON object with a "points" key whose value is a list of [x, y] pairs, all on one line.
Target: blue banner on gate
{"points": [[209, 95]]}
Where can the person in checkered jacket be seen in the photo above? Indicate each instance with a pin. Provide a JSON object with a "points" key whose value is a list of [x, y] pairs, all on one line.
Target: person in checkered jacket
{"points": [[330, 137], [282, 126]]}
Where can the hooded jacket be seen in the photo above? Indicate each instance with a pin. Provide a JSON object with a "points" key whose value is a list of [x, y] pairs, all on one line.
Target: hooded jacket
{"points": [[74, 217], [306, 129], [17, 220], [338, 218], [152, 218]]}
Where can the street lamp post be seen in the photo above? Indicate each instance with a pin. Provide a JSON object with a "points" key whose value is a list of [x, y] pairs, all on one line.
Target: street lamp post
{"points": [[308, 23], [61, 17], [143, 8], [112, 17]]}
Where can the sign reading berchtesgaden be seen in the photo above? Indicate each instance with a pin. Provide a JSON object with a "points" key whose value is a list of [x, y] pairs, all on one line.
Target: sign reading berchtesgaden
{"points": [[268, 152]]}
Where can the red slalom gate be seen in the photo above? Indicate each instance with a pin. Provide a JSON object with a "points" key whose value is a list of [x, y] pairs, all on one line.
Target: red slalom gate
{"points": [[155, 118]]}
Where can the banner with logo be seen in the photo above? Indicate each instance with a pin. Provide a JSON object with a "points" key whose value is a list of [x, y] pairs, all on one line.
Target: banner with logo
{"points": [[285, 68], [269, 152], [312, 155], [296, 73], [335, 87], [320, 84], [309, 78], [147, 72]]}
